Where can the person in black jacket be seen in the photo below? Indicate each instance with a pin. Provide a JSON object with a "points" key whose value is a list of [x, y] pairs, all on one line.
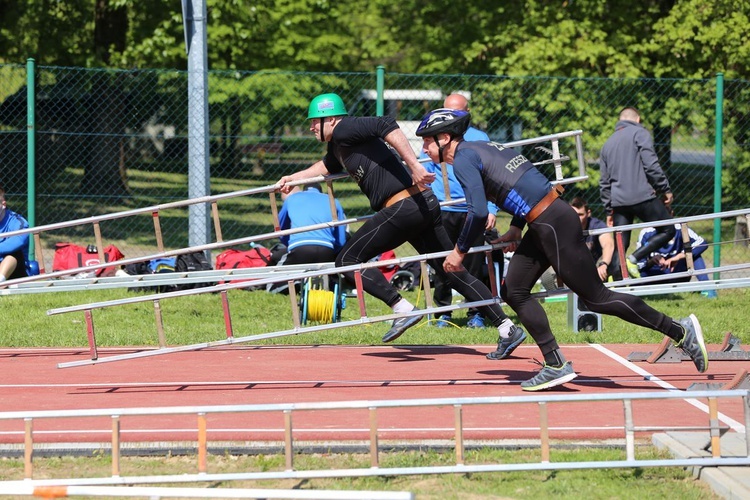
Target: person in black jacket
{"points": [[406, 209], [633, 185]]}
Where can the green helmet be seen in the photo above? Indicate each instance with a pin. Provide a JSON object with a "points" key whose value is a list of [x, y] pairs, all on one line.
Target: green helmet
{"points": [[326, 105]]}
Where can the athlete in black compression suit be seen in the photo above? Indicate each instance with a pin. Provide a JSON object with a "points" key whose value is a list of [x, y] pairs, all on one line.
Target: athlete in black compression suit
{"points": [[405, 209], [487, 170]]}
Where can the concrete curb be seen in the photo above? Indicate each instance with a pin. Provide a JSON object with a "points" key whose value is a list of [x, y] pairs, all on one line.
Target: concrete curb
{"points": [[728, 482]]}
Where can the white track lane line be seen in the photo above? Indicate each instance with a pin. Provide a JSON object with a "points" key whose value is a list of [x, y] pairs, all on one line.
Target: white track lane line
{"points": [[232, 383], [736, 426]]}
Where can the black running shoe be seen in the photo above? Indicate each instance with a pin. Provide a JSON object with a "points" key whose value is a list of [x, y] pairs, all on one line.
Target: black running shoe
{"points": [[692, 343], [506, 346], [400, 326]]}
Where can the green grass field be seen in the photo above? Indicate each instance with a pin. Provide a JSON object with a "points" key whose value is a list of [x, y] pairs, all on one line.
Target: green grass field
{"points": [[199, 318], [636, 484]]}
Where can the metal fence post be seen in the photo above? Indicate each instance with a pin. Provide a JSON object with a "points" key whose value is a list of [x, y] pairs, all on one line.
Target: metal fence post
{"points": [[717, 165], [380, 89], [31, 145], [199, 183]]}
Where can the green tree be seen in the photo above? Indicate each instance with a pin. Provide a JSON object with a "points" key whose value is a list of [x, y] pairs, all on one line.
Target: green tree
{"points": [[51, 32], [584, 39], [299, 35], [571, 38], [698, 39]]}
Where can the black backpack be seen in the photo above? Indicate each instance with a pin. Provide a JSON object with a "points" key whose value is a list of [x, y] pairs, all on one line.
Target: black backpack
{"points": [[190, 262], [154, 266]]}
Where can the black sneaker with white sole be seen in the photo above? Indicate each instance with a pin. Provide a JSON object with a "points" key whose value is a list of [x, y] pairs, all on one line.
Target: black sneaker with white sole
{"points": [[506, 346], [400, 326], [692, 343]]}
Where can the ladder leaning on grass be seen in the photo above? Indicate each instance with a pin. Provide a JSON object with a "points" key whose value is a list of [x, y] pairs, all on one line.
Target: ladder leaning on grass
{"points": [[35, 283], [627, 286]]}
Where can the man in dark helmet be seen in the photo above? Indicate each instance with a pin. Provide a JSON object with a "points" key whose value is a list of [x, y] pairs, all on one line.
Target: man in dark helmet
{"points": [[406, 209], [554, 238], [446, 187]]}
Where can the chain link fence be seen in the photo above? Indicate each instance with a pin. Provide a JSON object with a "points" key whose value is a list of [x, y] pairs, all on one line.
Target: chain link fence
{"points": [[111, 140]]}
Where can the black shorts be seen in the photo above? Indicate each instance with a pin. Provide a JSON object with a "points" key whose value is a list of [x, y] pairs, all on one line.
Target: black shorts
{"points": [[20, 270]]}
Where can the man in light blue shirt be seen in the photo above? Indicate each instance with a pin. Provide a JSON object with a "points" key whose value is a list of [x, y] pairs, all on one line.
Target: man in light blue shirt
{"points": [[453, 217]]}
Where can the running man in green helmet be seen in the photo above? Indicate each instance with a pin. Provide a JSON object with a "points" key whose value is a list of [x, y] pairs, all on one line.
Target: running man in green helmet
{"points": [[406, 209]]}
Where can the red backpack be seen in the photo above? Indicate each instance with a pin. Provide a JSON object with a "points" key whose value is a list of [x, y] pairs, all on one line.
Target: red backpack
{"points": [[70, 256], [258, 256]]}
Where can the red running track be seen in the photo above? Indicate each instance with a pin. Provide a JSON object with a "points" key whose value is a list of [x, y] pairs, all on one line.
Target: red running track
{"points": [[30, 380]]}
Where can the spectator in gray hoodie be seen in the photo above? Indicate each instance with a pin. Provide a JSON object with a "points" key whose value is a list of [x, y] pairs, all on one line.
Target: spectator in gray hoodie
{"points": [[633, 185]]}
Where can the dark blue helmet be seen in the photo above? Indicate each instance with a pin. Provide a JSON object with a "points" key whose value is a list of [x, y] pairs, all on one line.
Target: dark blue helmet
{"points": [[444, 120]]}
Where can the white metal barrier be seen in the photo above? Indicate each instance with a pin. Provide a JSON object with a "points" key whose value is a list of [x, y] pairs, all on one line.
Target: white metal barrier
{"points": [[290, 279], [683, 221], [288, 410], [214, 276], [220, 243], [158, 280]]}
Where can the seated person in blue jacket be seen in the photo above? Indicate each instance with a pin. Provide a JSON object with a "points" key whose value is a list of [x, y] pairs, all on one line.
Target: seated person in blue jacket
{"points": [[671, 257], [14, 250], [306, 206]]}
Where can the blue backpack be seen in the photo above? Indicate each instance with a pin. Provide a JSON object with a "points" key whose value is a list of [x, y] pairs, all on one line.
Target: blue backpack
{"points": [[162, 265]]}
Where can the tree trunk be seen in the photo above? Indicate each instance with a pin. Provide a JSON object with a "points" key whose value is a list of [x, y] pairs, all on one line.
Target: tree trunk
{"points": [[105, 172], [110, 30], [235, 133]]}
